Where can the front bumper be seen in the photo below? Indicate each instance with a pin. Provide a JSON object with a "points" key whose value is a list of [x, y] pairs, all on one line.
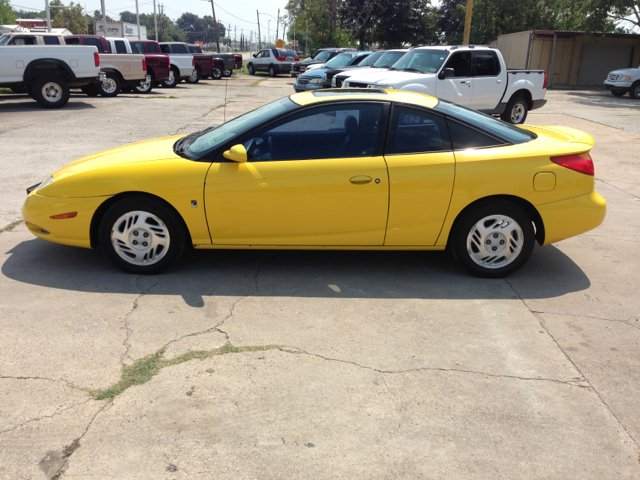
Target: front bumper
{"points": [[568, 218], [618, 86], [306, 88], [38, 209]]}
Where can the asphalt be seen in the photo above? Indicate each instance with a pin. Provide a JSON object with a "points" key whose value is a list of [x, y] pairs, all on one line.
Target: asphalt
{"points": [[293, 364]]}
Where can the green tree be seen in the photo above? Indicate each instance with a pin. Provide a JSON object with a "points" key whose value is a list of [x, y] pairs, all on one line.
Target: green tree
{"points": [[70, 17], [605, 15], [7, 15], [200, 29]]}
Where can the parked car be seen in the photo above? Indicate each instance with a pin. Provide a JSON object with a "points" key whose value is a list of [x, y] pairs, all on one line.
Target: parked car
{"points": [[216, 65], [47, 73], [472, 76], [122, 67], [385, 61], [31, 38], [272, 60], [366, 169], [183, 65], [312, 79], [624, 81], [320, 56]]}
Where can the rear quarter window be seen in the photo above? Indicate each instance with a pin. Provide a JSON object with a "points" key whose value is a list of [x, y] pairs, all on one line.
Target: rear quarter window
{"points": [[51, 41], [152, 48], [465, 137], [95, 42]]}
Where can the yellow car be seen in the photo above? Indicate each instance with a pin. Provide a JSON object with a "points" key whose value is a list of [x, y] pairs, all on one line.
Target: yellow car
{"points": [[332, 169]]}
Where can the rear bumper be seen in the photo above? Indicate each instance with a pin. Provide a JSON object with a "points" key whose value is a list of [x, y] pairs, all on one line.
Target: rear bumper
{"points": [[568, 218], [538, 104]]}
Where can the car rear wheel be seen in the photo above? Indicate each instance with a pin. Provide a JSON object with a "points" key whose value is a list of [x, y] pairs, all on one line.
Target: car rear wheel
{"points": [[194, 78], [216, 73], [172, 81], [251, 70], [51, 91], [272, 71], [493, 240], [617, 93], [634, 91], [145, 87], [110, 87], [141, 235], [227, 73], [516, 111]]}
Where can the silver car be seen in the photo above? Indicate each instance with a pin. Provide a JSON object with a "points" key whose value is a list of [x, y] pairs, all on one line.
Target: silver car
{"points": [[272, 60]]}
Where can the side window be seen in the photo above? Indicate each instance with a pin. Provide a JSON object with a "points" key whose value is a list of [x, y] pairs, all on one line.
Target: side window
{"points": [[487, 64], [121, 47], [95, 42], [165, 49], [465, 137], [51, 40], [417, 131], [24, 40], [266, 53], [72, 41], [334, 131], [151, 47], [461, 63], [137, 48], [179, 48]]}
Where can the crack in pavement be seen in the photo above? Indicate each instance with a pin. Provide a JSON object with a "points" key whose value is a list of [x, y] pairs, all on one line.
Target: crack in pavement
{"points": [[611, 238], [197, 118], [36, 419], [625, 322], [546, 329], [9, 377], [125, 342], [618, 188]]}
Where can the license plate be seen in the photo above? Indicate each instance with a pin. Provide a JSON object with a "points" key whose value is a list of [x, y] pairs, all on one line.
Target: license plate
{"points": [[289, 59]]}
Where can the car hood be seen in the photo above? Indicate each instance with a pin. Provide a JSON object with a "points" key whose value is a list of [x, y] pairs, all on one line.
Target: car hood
{"points": [[316, 72], [364, 71], [308, 62], [398, 78], [626, 71], [377, 77]]}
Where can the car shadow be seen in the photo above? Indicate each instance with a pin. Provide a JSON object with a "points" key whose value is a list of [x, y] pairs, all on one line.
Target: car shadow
{"points": [[30, 105], [293, 273], [603, 99]]}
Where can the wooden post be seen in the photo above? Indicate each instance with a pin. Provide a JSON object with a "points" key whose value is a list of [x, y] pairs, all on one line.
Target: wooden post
{"points": [[467, 23], [215, 24]]}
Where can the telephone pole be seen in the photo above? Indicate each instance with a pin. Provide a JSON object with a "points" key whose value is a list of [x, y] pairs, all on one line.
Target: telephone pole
{"points": [[259, 42], [467, 23], [155, 19], [138, 20], [215, 24], [277, 24]]}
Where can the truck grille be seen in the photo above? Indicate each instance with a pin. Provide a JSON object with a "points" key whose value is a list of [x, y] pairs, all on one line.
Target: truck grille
{"points": [[613, 77], [337, 82], [357, 85]]}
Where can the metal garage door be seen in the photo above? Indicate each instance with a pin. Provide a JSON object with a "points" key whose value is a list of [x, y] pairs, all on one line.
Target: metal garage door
{"points": [[598, 60]]}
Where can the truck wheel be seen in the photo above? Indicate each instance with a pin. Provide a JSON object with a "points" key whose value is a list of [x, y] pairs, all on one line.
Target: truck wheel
{"points": [[251, 70], [227, 73], [172, 82], [51, 91], [194, 78], [634, 91], [145, 87], [516, 111], [89, 90], [110, 87], [272, 71], [216, 73]]}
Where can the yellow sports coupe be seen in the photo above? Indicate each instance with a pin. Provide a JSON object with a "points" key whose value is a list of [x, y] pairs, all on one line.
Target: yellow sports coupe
{"points": [[360, 169]]}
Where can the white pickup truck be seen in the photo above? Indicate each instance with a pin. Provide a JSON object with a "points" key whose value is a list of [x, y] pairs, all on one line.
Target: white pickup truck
{"points": [[472, 76], [182, 62], [622, 81], [47, 72]]}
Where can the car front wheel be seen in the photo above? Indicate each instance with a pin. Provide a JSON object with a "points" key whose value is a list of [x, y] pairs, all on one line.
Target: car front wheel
{"points": [[110, 87], [251, 69], [493, 240], [142, 235], [634, 91]]}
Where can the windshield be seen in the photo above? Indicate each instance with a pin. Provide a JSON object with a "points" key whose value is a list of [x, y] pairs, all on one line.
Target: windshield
{"points": [[371, 59], [388, 59], [4, 39], [489, 124], [323, 56], [422, 61], [341, 60], [199, 144]]}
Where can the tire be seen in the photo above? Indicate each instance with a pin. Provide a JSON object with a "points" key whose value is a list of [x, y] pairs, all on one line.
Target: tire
{"points": [[272, 71], [171, 83], [484, 245], [227, 73], [194, 78], [617, 93], [51, 91], [90, 90], [251, 69], [634, 91], [216, 73], [145, 87], [110, 87], [127, 221], [516, 111]]}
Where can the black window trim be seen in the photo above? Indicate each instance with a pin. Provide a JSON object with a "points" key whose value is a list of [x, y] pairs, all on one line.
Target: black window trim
{"points": [[415, 107], [378, 152]]}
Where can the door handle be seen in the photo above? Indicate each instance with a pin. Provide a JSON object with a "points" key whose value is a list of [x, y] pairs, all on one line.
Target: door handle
{"points": [[465, 81], [498, 81], [360, 180]]}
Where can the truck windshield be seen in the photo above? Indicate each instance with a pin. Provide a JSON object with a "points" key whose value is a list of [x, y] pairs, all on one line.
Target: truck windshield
{"points": [[341, 60], [323, 56], [388, 59], [423, 61], [371, 59], [200, 144]]}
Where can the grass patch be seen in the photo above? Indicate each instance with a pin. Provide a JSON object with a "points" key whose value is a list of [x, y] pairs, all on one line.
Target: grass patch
{"points": [[5, 90], [144, 369], [11, 226], [258, 82]]}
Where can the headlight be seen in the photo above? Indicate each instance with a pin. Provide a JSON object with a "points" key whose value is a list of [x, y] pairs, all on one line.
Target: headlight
{"points": [[333, 82], [45, 183], [624, 78], [316, 80], [389, 87]]}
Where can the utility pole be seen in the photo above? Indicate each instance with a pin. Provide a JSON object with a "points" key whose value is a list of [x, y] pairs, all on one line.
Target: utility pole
{"points": [[104, 19], [467, 23], [235, 38], [138, 20], [277, 24], [155, 19], [46, 7], [259, 42], [215, 24]]}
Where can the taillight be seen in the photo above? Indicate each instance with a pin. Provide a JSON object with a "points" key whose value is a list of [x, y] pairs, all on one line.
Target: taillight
{"points": [[168, 62], [193, 61], [96, 59], [213, 61], [144, 64], [545, 81], [297, 59], [580, 163], [281, 59]]}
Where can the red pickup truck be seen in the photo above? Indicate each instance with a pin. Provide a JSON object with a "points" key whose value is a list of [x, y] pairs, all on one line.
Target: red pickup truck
{"points": [[158, 65], [223, 63]]}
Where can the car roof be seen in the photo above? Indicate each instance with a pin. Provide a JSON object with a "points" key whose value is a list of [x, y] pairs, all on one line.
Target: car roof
{"points": [[332, 94]]}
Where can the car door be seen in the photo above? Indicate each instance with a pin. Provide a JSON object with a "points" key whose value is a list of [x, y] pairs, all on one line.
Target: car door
{"points": [[421, 175], [488, 86], [265, 60], [457, 89], [317, 177]]}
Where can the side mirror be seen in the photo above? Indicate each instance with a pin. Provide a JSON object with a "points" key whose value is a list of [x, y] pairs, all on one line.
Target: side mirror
{"points": [[237, 153], [446, 73], [254, 55]]}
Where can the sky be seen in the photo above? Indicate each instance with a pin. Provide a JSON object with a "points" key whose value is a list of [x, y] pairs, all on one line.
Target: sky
{"points": [[239, 14]]}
